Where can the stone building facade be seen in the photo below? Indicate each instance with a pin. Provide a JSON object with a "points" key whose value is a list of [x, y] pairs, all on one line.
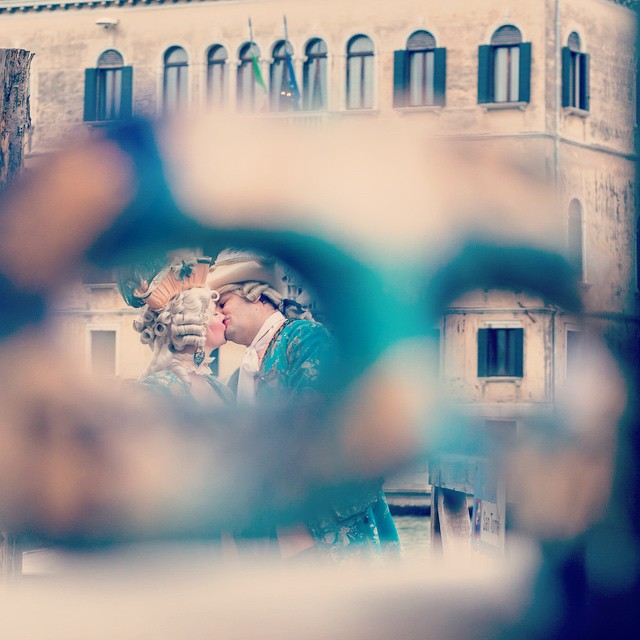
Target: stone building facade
{"points": [[551, 80]]}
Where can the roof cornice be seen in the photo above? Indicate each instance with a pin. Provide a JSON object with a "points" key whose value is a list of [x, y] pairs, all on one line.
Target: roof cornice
{"points": [[22, 6]]}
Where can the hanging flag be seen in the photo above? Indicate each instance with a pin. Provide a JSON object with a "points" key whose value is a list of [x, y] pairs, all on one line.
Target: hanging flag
{"points": [[291, 90], [261, 101]]}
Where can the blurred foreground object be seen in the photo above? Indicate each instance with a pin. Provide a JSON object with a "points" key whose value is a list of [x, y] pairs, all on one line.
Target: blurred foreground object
{"points": [[15, 124], [15, 118], [101, 476]]}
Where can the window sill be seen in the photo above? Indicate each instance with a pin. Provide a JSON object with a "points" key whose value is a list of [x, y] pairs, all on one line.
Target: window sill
{"points": [[486, 380], [576, 111], [432, 108], [360, 112], [95, 124], [500, 106]]}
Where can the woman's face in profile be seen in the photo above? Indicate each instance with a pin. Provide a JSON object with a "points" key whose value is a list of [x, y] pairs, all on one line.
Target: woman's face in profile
{"points": [[215, 329]]}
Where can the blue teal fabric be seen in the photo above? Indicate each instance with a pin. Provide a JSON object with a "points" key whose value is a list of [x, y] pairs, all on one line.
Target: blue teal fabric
{"points": [[350, 521], [170, 385]]}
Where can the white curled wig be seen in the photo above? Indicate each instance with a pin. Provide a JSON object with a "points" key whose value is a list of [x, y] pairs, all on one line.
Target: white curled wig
{"points": [[180, 324], [253, 291]]}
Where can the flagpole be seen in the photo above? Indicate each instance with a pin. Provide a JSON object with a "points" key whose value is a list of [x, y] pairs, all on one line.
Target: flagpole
{"points": [[257, 74], [293, 84]]}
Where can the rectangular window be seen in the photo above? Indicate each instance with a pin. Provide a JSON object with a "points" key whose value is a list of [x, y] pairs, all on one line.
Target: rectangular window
{"points": [[434, 337], [108, 94], [500, 353], [419, 78], [501, 432], [504, 73], [421, 67], [360, 82], [216, 84], [575, 79], [315, 84], [95, 275], [103, 353], [175, 88], [574, 340]]}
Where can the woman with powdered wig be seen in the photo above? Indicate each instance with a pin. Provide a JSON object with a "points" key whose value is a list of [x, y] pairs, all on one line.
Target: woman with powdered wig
{"points": [[180, 323]]}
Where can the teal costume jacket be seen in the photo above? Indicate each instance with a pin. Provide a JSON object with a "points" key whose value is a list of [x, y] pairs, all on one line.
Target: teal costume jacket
{"points": [[169, 384], [349, 520]]}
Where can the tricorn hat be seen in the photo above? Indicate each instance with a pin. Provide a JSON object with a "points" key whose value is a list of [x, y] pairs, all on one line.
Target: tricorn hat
{"points": [[235, 266]]}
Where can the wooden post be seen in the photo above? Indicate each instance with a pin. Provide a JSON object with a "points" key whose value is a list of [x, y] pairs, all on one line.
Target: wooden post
{"points": [[15, 122], [15, 119], [452, 479]]}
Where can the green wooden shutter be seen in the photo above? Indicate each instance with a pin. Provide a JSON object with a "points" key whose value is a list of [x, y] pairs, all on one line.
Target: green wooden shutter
{"points": [[485, 74], [483, 342], [525, 72], [90, 94], [126, 99], [566, 77], [440, 76], [400, 78], [584, 82], [518, 343]]}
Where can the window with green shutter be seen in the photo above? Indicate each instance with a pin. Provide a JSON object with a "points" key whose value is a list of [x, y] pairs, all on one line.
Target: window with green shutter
{"points": [[575, 75], [504, 68], [419, 73], [108, 89]]}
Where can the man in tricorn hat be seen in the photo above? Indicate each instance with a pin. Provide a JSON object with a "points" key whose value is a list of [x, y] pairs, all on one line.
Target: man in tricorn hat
{"points": [[259, 317], [290, 357]]}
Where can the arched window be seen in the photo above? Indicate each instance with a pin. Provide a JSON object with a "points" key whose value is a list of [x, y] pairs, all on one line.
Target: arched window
{"points": [[575, 75], [421, 47], [251, 89], [284, 93], [506, 64], [110, 65], [108, 89], [216, 74], [504, 70], [176, 67], [419, 72], [315, 75], [360, 60], [575, 237]]}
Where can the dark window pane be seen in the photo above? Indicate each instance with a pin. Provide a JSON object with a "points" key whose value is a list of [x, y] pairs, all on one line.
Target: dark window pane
{"points": [[315, 76], [500, 352], [574, 340], [575, 237], [103, 353]]}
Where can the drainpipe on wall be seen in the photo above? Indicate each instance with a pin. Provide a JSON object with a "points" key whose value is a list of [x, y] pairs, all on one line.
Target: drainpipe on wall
{"points": [[557, 96], [556, 170], [554, 359]]}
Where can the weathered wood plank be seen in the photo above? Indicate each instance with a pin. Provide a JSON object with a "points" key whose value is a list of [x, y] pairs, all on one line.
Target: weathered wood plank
{"points": [[15, 122], [15, 118]]}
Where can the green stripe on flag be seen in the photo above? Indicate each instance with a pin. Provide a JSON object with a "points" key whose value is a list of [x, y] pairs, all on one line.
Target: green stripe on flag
{"points": [[257, 73]]}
